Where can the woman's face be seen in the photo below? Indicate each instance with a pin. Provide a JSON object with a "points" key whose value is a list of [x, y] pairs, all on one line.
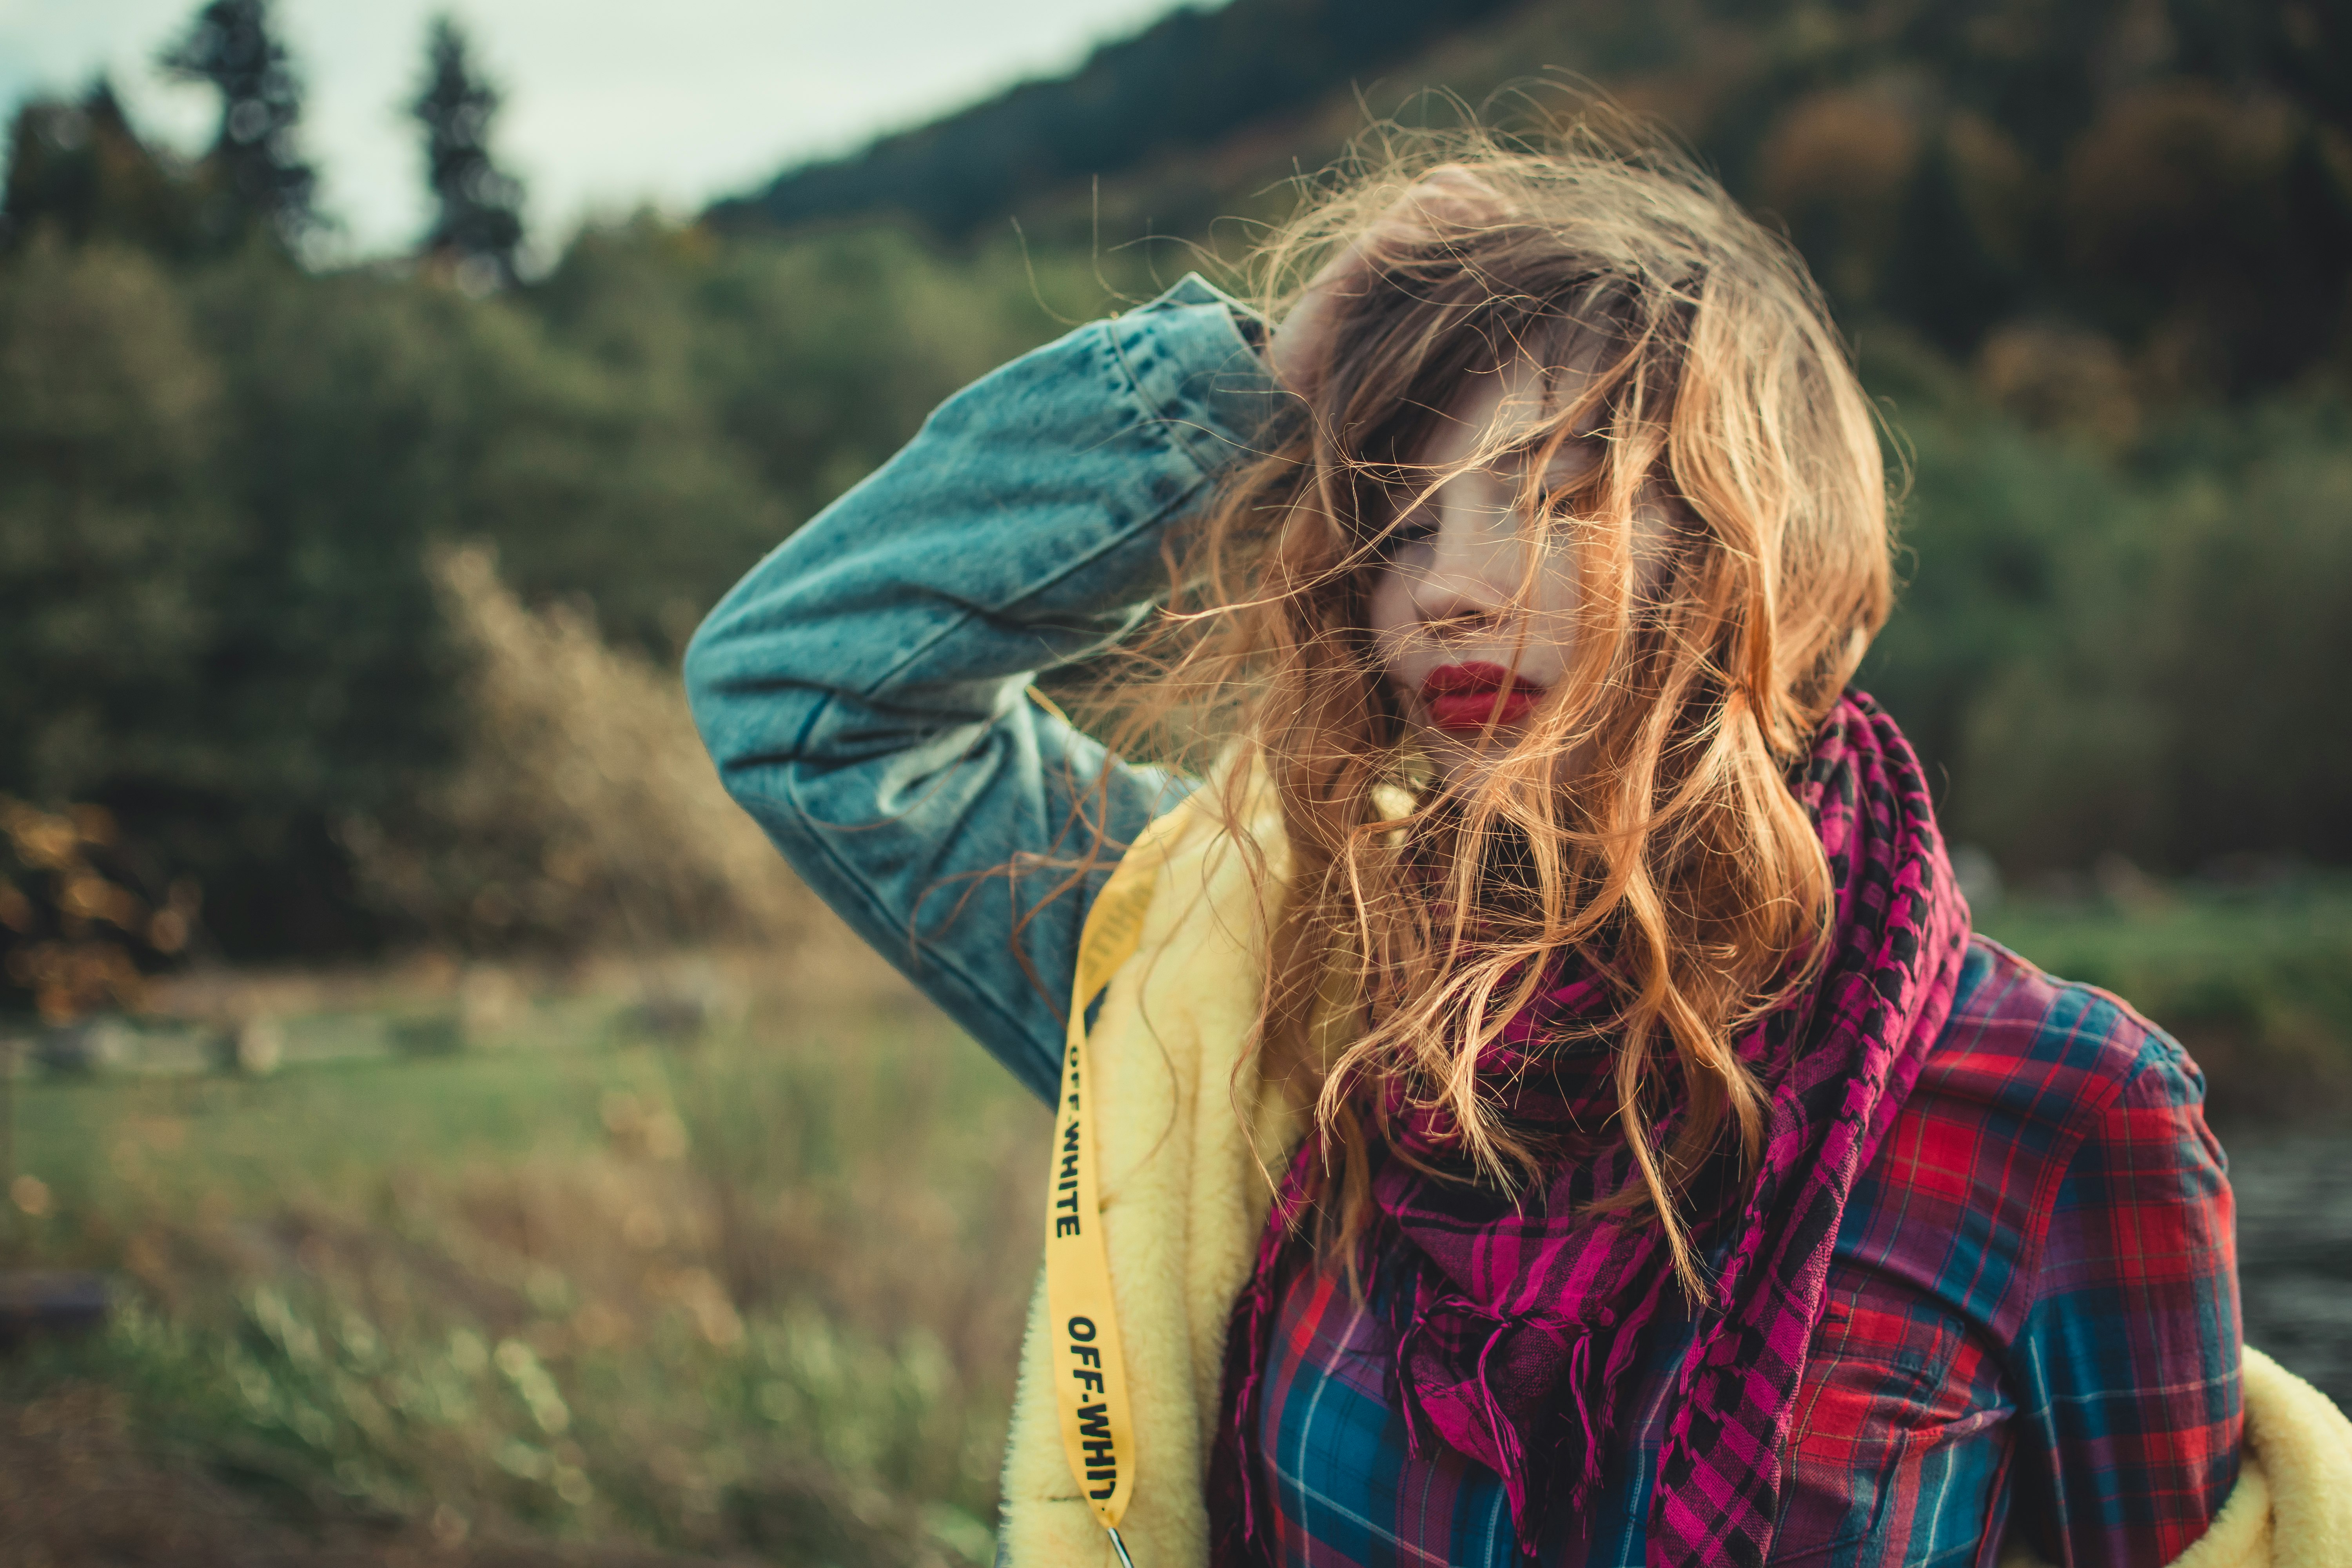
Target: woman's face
{"points": [[1473, 612]]}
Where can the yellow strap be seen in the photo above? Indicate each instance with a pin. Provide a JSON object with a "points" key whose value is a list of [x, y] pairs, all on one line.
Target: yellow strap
{"points": [[1090, 1375]]}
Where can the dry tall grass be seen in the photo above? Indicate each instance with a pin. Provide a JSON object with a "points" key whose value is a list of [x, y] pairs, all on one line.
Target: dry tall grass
{"points": [[582, 813], [582, 1295]]}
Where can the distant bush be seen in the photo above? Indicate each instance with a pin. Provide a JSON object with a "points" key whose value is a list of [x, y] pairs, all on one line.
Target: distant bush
{"points": [[582, 811], [2131, 654], [81, 920]]}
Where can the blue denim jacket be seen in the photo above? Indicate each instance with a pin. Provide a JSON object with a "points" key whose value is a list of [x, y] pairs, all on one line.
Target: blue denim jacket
{"points": [[864, 690]]}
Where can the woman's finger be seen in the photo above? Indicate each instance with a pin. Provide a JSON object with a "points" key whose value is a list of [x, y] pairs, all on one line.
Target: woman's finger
{"points": [[1449, 198]]}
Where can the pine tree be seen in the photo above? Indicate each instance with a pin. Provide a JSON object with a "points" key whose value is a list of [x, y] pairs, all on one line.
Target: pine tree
{"points": [[262, 178], [479, 222], [80, 170]]}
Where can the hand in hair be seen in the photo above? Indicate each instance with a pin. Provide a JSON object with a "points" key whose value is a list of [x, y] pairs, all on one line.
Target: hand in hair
{"points": [[1449, 198]]}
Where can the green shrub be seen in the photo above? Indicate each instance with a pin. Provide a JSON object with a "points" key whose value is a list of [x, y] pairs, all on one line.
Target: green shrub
{"points": [[2129, 654]]}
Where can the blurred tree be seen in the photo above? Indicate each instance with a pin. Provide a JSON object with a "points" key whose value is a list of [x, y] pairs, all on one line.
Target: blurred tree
{"points": [[80, 170], [346, 418], [691, 402], [259, 178], [2251, 631], [477, 222], [1836, 166], [1989, 528], [113, 541], [117, 550]]}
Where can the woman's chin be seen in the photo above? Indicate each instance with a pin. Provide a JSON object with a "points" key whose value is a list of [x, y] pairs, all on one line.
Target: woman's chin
{"points": [[1464, 761]]}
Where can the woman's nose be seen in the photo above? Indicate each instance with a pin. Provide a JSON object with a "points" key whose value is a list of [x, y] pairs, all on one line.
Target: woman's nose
{"points": [[1474, 577]]}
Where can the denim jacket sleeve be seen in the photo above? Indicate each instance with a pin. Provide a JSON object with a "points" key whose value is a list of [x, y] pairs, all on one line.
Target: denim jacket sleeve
{"points": [[864, 690]]}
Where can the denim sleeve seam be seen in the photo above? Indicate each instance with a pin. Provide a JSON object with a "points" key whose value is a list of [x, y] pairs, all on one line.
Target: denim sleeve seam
{"points": [[1186, 418], [955, 623]]}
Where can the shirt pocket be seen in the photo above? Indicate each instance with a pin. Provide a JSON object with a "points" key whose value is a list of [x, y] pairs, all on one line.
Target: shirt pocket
{"points": [[1877, 1394]]}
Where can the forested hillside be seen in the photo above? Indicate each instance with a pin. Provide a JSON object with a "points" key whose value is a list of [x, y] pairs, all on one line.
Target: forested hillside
{"points": [[2093, 255]]}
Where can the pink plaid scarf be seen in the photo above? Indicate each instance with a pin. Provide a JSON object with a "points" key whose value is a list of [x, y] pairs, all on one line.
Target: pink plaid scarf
{"points": [[1520, 1323]]}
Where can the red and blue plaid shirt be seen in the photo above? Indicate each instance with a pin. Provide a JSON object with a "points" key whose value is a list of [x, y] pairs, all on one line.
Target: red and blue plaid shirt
{"points": [[2032, 1331]]}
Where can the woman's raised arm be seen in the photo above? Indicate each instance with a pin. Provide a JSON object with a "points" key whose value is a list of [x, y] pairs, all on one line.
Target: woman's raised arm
{"points": [[863, 691]]}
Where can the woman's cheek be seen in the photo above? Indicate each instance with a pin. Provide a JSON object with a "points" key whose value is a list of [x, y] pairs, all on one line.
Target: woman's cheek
{"points": [[1551, 630], [1388, 608]]}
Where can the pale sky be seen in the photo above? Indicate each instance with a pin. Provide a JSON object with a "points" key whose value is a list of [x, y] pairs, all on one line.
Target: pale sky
{"points": [[608, 104]]}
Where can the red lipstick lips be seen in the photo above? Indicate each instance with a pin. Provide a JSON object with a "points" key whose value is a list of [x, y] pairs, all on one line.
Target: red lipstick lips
{"points": [[1472, 695]]}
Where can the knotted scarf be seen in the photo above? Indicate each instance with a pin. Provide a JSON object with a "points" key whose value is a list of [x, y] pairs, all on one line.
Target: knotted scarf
{"points": [[1521, 1321]]}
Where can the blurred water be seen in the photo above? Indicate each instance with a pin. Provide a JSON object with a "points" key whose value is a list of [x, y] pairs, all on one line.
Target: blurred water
{"points": [[2294, 1251]]}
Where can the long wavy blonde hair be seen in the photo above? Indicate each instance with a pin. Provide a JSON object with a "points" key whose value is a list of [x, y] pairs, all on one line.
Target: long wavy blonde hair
{"points": [[1645, 814]]}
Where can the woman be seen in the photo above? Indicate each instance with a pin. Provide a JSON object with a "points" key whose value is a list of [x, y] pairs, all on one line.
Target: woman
{"points": [[1676, 1179]]}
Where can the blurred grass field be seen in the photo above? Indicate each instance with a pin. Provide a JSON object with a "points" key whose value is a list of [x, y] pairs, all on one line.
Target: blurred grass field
{"points": [[750, 1292], [504, 1270]]}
